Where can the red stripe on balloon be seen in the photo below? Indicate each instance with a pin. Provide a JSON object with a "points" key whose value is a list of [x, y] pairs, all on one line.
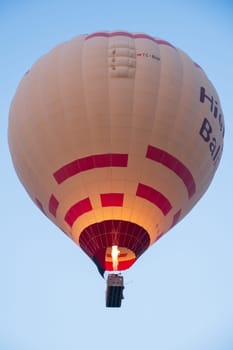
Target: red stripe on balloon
{"points": [[171, 162], [122, 265], [157, 41], [90, 162], [197, 65], [129, 35], [174, 222], [108, 35], [112, 199], [53, 205], [77, 210], [40, 206], [155, 197], [176, 218]]}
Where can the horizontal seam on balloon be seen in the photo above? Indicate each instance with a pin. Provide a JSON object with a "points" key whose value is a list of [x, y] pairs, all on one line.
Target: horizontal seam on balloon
{"points": [[90, 162], [157, 41], [129, 35], [174, 164], [155, 197], [108, 34]]}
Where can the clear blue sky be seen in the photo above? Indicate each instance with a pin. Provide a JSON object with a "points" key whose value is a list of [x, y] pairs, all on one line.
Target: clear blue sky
{"points": [[179, 295]]}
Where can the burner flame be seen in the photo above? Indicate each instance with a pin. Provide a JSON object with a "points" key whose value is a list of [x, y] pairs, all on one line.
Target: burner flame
{"points": [[115, 253]]}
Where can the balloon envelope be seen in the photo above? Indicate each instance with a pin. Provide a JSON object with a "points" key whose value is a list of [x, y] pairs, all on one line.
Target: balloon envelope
{"points": [[115, 136]]}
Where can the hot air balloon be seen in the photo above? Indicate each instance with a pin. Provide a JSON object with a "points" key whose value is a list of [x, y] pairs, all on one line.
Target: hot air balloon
{"points": [[115, 136]]}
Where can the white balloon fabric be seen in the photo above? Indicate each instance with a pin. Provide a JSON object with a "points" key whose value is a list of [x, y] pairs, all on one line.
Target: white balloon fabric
{"points": [[115, 136]]}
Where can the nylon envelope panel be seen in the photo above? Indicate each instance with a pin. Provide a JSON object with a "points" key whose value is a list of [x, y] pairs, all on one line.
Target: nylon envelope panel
{"points": [[30, 125], [115, 126]]}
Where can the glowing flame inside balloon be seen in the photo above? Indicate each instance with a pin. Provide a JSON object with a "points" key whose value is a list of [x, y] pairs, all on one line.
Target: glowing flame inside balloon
{"points": [[115, 253]]}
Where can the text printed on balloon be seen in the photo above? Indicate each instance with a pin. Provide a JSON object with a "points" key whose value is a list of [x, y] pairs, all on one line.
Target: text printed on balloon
{"points": [[207, 130]]}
